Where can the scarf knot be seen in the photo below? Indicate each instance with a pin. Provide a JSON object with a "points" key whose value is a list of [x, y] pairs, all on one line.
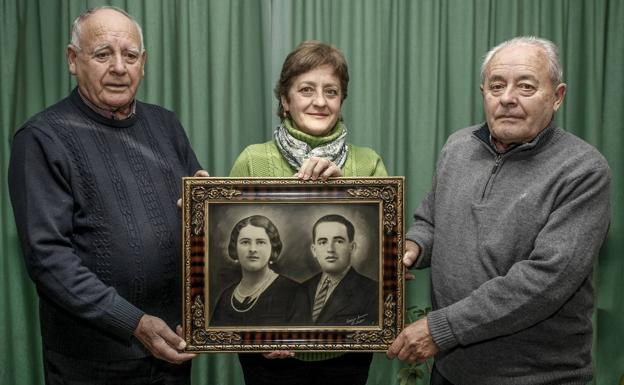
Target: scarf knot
{"points": [[296, 151]]}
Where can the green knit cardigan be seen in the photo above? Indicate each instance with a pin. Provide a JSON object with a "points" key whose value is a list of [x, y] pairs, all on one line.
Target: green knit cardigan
{"points": [[265, 159]]}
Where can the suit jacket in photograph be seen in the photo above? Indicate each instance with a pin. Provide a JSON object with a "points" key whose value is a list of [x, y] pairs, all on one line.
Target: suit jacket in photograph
{"points": [[354, 302]]}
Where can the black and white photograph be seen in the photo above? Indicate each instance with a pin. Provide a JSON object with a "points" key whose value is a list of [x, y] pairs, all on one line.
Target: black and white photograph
{"points": [[280, 263], [294, 264]]}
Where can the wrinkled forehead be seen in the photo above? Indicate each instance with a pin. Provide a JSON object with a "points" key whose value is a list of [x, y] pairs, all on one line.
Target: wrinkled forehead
{"points": [[519, 58], [108, 26]]}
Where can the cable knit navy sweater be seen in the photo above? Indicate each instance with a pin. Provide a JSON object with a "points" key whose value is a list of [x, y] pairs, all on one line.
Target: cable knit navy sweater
{"points": [[95, 206]]}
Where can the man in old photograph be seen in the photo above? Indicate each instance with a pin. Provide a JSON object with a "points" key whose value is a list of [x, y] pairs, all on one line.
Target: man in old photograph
{"points": [[339, 295]]}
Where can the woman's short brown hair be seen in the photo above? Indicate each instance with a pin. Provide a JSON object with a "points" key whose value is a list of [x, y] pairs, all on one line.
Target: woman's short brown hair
{"points": [[309, 55]]}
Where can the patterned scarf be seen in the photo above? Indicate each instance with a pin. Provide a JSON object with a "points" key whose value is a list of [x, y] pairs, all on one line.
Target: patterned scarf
{"points": [[296, 151]]}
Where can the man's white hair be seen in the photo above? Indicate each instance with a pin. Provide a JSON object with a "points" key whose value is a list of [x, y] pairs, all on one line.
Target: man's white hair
{"points": [[549, 48], [77, 24]]}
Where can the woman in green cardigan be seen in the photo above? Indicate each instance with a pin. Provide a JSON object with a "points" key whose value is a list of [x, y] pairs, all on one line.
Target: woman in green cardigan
{"points": [[310, 143]]}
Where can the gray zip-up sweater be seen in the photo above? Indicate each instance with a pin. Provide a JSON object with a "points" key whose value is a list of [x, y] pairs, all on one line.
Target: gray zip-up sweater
{"points": [[510, 240]]}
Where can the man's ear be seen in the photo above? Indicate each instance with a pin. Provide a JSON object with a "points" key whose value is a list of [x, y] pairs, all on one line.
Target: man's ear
{"points": [[560, 92], [313, 250], [143, 60], [353, 247], [71, 54]]}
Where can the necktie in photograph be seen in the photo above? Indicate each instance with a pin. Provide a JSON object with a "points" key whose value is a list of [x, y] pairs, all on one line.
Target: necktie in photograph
{"points": [[319, 301]]}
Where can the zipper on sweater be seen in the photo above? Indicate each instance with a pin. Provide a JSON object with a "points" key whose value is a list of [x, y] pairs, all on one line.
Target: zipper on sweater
{"points": [[497, 162]]}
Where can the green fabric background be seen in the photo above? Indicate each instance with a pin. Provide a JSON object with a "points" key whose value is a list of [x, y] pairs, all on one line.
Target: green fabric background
{"points": [[414, 79]]}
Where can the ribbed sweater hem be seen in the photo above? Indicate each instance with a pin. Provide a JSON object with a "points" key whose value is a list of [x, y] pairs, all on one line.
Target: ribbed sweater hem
{"points": [[125, 317], [440, 329]]}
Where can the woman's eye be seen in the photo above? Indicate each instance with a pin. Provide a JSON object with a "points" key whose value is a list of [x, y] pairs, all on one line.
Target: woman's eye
{"points": [[331, 92], [307, 91], [261, 242]]}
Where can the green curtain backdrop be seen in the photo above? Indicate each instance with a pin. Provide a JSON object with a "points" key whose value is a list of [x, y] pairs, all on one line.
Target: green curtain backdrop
{"points": [[414, 79]]}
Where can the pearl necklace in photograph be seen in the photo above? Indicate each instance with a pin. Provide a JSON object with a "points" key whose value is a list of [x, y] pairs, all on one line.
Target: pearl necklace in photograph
{"points": [[250, 300]]}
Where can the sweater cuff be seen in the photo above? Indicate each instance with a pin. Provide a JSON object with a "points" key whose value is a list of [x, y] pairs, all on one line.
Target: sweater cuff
{"points": [[418, 263], [440, 329], [124, 318]]}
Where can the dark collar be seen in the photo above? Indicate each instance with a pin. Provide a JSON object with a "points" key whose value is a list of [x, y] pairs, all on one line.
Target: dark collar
{"points": [[483, 134], [106, 113], [77, 100]]}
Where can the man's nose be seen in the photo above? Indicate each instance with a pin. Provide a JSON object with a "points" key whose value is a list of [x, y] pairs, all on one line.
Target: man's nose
{"points": [[118, 65], [508, 96]]}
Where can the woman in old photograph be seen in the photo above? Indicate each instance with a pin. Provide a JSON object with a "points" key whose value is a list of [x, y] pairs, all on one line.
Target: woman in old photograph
{"points": [[310, 143], [262, 296]]}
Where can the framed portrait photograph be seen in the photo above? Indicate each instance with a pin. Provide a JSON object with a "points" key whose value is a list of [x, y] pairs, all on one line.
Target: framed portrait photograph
{"points": [[286, 264]]}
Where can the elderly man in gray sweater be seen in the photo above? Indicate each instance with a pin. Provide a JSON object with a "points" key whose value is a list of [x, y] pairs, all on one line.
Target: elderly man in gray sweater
{"points": [[516, 215]]}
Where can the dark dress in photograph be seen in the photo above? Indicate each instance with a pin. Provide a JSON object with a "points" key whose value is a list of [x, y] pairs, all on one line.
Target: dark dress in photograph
{"points": [[283, 302]]}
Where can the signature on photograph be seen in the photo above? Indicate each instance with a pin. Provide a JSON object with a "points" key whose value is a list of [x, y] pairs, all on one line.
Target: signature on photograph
{"points": [[357, 320]]}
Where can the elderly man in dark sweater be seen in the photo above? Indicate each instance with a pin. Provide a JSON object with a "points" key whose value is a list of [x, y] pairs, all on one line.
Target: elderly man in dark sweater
{"points": [[94, 181], [517, 213]]}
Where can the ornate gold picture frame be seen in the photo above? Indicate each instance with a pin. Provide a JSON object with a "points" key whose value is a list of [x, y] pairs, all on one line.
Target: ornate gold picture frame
{"points": [[285, 264]]}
